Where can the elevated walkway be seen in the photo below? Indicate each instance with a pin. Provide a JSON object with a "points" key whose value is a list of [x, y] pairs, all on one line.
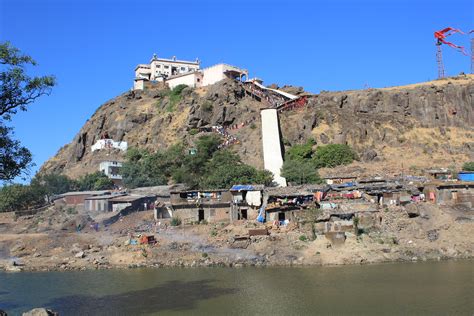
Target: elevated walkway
{"points": [[281, 100], [272, 97]]}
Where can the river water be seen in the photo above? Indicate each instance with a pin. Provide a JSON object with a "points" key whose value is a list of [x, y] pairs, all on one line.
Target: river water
{"points": [[428, 288]]}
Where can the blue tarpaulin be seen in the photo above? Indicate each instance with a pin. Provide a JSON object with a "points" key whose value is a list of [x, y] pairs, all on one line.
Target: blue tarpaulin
{"points": [[261, 215], [466, 176], [242, 188], [348, 184]]}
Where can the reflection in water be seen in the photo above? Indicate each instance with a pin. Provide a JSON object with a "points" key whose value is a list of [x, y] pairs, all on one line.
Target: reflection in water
{"points": [[173, 295], [7, 306]]}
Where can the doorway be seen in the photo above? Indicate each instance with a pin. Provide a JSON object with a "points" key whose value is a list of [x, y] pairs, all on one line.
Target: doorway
{"points": [[281, 216], [201, 215], [242, 214]]}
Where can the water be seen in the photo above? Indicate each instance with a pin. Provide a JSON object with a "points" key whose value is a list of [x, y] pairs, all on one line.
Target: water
{"points": [[430, 288]]}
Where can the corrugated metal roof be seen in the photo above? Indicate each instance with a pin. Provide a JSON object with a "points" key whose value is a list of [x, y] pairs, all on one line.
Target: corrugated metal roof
{"points": [[202, 191], [306, 189], [104, 197], [129, 198], [85, 193], [161, 190]]}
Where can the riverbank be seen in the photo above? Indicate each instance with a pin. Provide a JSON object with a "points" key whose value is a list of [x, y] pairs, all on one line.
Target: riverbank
{"points": [[50, 242]]}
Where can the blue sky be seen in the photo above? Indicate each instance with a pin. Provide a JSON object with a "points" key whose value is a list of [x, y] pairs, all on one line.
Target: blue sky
{"points": [[93, 46]]}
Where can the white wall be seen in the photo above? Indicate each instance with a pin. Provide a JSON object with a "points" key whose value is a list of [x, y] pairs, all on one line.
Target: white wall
{"points": [[272, 157], [189, 80], [213, 74], [138, 84]]}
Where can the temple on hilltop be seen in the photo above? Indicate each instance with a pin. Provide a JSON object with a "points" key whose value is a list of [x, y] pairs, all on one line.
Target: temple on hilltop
{"points": [[175, 72]]}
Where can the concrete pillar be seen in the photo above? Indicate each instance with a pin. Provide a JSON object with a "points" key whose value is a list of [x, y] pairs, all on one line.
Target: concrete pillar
{"points": [[272, 150]]}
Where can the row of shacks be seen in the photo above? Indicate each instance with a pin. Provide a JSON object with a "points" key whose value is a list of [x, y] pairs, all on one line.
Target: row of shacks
{"points": [[252, 202], [280, 204]]}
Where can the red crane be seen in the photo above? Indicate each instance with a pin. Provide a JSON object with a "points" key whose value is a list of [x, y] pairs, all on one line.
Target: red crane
{"points": [[440, 37]]}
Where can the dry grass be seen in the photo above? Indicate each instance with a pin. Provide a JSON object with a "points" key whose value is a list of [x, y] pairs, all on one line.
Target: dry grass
{"points": [[324, 127], [459, 80]]}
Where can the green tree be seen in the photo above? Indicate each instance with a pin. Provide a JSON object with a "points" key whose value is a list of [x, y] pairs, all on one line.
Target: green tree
{"points": [[54, 184], [208, 168], [207, 145], [14, 158], [225, 176], [145, 169], [95, 181], [17, 197], [17, 91], [333, 155], [222, 158], [226, 169], [468, 166], [132, 169], [300, 171], [193, 167], [301, 152]]}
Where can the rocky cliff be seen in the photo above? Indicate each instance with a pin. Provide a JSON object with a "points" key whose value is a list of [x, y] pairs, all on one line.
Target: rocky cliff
{"points": [[410, 127]]}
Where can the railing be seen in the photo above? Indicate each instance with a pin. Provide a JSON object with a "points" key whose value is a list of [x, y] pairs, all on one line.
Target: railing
{"points": [[33, 211], [272, 98], [293, 104]]}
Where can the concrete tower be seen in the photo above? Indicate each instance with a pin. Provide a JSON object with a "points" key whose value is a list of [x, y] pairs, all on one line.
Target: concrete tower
{"points": [[272, 151]]}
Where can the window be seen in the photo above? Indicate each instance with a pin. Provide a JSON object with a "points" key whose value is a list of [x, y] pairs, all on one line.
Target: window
{"points": [[167, 67], [183, 69]]}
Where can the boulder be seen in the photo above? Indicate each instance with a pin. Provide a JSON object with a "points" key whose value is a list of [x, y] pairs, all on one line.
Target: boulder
{"points": [[368, 155], [433, 235], [40, 312]]}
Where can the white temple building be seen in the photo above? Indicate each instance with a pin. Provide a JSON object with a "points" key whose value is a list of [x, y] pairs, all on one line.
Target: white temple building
{"points": [[109, 143], [175, 72]]}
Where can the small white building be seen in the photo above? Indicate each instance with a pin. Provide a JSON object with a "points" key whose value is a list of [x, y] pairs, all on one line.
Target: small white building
{"points": [[108, 144], [111, 169]]}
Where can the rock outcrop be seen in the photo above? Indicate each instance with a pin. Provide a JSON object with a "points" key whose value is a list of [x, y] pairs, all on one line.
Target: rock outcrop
{"points": [[418, 125]]}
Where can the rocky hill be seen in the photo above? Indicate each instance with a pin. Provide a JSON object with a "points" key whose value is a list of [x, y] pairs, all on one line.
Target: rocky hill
{"points": [[393, 130]]}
